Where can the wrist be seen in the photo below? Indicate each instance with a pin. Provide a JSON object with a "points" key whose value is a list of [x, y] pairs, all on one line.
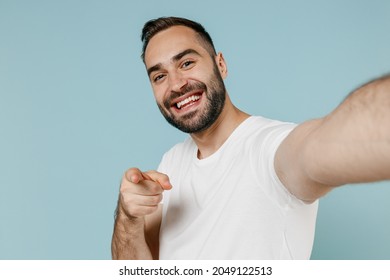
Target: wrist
{"points": [[127, 223]]}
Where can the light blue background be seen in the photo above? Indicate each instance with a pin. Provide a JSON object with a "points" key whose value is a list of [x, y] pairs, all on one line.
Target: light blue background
{"points": [[76, 109]]}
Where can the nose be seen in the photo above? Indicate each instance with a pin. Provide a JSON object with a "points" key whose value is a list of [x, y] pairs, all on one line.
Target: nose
{"points": [[177, 81]]}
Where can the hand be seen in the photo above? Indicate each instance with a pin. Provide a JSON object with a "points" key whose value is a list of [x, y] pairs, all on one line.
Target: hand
{"points": [[141, 192]]}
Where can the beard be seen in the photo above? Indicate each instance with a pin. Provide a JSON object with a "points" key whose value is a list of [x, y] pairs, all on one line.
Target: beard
{"points": [[197, 121]]}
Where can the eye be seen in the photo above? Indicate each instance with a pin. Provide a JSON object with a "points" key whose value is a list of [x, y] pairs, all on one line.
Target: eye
{"points": [[187, 64], [158, 78]]}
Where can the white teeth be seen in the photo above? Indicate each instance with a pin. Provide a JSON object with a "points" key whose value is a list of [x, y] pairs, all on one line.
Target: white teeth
{"points": [[187, 100]]}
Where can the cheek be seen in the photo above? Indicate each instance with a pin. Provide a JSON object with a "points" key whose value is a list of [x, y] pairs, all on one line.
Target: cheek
{"points": [[206, 76], [160, 97], [158, 93]]}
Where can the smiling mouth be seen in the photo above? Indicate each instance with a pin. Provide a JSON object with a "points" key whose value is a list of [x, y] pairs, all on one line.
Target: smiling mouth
{"points": [[188, 101]]}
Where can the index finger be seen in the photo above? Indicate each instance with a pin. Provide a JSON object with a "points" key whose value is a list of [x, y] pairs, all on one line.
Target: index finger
{"points": [[160, 178], [135, 176]]}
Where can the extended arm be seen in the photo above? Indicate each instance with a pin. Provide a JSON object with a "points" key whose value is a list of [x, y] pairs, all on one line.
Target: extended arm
{"points": [[350, 145]]}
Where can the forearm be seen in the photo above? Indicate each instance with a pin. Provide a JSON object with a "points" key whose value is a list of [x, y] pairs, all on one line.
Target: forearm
{"points": [[352, 144], [128, 240]]}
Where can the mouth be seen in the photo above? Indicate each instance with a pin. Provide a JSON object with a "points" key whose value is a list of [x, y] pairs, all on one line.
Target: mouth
{"points": [[187, 101]]}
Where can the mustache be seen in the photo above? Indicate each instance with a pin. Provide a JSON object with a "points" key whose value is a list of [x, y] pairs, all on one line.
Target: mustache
{"points": [[186, 89]]}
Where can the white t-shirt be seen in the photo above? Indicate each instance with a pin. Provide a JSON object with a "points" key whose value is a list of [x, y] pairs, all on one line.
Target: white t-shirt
{"points": [[231, 205]]}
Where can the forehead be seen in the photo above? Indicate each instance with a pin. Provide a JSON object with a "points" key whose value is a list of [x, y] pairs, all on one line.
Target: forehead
{"points": [[167, 43]]}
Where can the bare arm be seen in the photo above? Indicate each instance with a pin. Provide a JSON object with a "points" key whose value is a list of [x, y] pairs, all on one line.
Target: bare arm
{"points": [[138, 217], [135, 238], [350, 145]]}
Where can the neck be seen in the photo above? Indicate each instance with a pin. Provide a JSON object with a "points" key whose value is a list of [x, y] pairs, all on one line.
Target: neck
{"points": [[211, 139]]}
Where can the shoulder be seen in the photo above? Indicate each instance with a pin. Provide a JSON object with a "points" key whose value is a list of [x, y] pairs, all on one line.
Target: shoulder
{"points": [[176, 153], [266, 137], [268, 130]]}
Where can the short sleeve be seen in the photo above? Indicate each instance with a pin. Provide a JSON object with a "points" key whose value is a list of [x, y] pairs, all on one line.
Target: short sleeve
{"points": [[265, 144]]}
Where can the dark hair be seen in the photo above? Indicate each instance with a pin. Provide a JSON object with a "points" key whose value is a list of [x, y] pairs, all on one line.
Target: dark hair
{"points": [[154, 26]]}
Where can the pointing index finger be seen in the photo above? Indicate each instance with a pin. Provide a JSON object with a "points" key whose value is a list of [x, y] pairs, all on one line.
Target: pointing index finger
{"points": [[160, 178], [135, 176]]}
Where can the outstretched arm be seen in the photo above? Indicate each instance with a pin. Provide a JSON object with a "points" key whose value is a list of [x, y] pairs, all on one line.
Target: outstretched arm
{"points": [[350, 145]]}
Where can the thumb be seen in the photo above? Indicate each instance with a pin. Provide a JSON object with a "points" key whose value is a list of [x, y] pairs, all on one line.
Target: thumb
{"points": [[135, 175]]}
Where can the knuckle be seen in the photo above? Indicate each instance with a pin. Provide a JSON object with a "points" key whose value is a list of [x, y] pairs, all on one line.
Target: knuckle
{"points": [[126, 200], [155, 188], [154, 200], [124, 189]]}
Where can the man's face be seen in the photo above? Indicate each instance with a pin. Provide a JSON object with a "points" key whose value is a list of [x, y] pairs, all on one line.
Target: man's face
{"points": [[186, 81]]}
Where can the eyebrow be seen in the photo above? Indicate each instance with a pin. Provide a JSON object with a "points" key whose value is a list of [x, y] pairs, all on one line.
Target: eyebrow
{"points": [[175, 58]]}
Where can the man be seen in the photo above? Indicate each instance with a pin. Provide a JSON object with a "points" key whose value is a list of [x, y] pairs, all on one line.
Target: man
{"points": [[240, 187]]}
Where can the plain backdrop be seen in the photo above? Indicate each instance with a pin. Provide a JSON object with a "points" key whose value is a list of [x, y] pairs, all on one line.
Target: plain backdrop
{"points": [[76, 109]]}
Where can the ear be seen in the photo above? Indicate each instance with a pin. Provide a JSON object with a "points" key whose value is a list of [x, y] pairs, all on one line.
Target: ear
{"points": [[221, 63]]}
